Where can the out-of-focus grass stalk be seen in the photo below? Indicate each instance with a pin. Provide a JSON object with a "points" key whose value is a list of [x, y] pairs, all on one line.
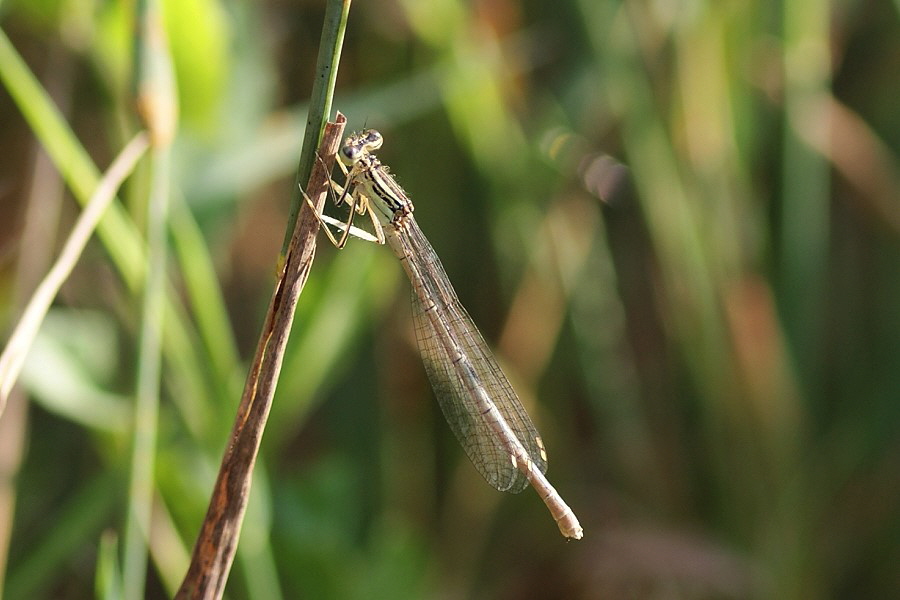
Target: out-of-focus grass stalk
{"points": [[83, 514], [116, 230], [688, 171], [806, 179], [207, 304], [108, 578], [167, 548], [158, 105], [16, 349], [756, 412], [674, 220], [141, 488], [805, 239], [40, 220], [472, 79]]}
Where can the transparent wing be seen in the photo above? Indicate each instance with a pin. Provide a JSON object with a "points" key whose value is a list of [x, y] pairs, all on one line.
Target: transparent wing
{"points": [[458, 362]]}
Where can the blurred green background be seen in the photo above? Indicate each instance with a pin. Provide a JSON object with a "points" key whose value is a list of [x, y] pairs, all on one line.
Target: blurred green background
{"points": [[678, 223]]}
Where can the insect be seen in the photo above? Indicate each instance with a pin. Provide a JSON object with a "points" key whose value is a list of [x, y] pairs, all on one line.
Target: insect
{"points": [[475, 396]]}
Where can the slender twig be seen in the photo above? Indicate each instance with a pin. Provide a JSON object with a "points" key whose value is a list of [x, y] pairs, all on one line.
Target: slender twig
{"points": [[20, 341], [217, 542], [156, 96]]}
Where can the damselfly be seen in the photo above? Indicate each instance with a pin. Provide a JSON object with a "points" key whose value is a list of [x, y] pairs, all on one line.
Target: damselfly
{"points": [[475, 396]]}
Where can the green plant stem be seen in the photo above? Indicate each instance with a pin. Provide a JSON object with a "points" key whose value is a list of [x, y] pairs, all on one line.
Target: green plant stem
{"points": [[137, 530], [157, 101], [336, 13]]}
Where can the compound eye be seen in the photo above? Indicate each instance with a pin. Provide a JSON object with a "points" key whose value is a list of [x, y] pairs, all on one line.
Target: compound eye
{"points": [[373, 139], [349, 154]]}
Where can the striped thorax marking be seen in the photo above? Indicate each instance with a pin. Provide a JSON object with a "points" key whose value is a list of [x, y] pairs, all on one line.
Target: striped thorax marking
{"points": [[375, 180]]}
